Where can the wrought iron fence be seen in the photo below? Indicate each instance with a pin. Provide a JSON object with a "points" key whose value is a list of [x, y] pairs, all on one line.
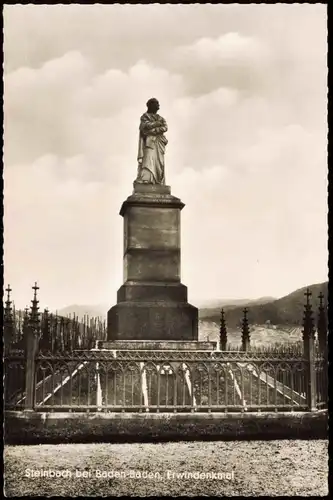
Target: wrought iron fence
{"points": [[163, 381]]}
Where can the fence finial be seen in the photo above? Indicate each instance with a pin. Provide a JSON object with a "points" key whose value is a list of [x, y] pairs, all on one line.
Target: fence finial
{"points": [[8, 308], [8, 290], [308, 324], [223, 332], [308, 294], [245, 331], [35, 288], [35, 301], [34, 313], [9, 321], [322, 324]]}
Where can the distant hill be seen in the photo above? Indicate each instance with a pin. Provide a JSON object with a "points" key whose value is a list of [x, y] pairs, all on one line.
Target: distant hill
{"points": [[262, 300], [285, 311], [83, 310], [100, 310], [69, 311], [209, 304], [215, 307]]}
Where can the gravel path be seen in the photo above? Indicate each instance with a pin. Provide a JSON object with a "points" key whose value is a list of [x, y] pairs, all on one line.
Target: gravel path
{"points": [[254, 468]]}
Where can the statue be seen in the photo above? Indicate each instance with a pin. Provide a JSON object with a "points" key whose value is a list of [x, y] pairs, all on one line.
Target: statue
{"points": [[152, 144]]}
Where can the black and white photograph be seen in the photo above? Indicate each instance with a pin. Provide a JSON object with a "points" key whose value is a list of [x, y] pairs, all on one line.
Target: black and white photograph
{"points": [[165, 255]]}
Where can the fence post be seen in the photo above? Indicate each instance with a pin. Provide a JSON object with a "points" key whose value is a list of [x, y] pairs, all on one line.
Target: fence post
{"points": [[312, 382], [309, 353], [32, 331], [30, 357]]}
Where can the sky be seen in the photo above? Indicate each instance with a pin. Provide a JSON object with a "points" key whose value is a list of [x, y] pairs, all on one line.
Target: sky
{"points": [[243, 89]]}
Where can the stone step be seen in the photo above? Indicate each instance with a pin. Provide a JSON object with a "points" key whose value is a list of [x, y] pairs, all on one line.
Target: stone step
{"points": [[146, 345]]}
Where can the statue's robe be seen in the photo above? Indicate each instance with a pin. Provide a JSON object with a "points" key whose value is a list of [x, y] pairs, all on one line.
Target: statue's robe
{"points": [[151, 151]]}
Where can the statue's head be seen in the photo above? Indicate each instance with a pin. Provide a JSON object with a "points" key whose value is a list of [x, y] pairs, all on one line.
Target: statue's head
{"points": [[153, 105]]}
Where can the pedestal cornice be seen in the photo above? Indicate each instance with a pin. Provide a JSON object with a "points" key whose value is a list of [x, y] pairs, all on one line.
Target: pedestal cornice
{"points": [[152, 195]]}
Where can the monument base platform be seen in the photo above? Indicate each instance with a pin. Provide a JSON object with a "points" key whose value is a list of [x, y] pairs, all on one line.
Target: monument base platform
{"points": [[172, 345], [157, 321]]}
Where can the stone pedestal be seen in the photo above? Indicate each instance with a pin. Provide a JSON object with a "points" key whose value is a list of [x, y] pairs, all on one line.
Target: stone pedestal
{"points": [[152, 302]]}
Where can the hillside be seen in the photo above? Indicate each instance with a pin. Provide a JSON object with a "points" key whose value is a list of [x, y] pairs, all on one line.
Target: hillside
{"points": [[209, 304], [287, 310], [96, 311], [100, 310], [215, 307]]}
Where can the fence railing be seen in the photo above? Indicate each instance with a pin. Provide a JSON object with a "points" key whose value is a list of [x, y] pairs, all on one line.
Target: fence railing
{"points": [[158, 381]]}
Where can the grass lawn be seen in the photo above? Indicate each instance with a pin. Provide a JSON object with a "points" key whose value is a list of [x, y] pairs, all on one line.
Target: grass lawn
{"points": [[254, 468]]}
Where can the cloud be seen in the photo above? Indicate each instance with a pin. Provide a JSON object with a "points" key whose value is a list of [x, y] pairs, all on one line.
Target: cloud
{"points": [[93, 114], [229, 60], [230, 48], [243, 89], [37, 108], [115, 90]]}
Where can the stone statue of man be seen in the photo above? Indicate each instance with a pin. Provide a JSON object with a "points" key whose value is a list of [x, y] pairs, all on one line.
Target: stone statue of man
{"points": [[152, 144]]}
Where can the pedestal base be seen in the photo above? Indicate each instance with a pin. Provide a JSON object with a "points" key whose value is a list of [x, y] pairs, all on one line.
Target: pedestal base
{"points": [[155, 320]]}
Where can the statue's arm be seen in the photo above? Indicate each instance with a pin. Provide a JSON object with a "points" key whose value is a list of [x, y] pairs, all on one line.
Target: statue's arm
{"points": [[146, 125], [158, 130], [160, 127], [156, 127], [163, 127]]}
